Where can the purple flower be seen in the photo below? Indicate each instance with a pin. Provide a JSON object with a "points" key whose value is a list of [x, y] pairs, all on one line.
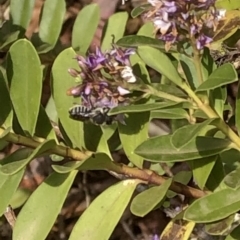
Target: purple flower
{"points": [[169, 6], [168, 38], [162, 25], [202, 41], [155, 237], [122, 55]]}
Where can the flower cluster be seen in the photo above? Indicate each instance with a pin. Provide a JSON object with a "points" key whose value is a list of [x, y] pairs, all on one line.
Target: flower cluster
{"points": [[105, 77], [178, 20]]}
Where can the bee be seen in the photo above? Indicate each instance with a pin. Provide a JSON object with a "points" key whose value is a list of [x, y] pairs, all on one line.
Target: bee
{"points": [[97, 116]]}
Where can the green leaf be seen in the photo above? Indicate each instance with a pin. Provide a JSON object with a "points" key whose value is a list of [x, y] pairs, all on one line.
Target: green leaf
{"points": [[208, 64], [218, 98], [232, 180], [234, 235], [223, 75], [160, 62], [20, 158], [132, 134], [182, 177], [25, 75], [51, 23], [142, 204], [38, 215], [9, 33], [189, 70], [21, 12], [215, 179], [237, 110], [85, 25], [8, 186], [214, 207], [118, 19], [98, 161], [51, 110], [147, 29], [44, 127], [160, 149], [201, 169], [220, 227], [20, 197], [142, 107], [140, 9], [184, 135], [5, 101], [62, 81], [170, 89], [108, 205], [172, 113], [139, 40], [228, 5]]}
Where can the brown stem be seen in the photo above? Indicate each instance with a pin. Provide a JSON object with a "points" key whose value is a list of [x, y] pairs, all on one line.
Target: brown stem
{"points": [[142, 174]]}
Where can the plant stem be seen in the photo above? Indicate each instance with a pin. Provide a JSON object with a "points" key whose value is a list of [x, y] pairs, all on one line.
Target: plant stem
{"points": [[197, 61], [142, 174], [212, 114]]}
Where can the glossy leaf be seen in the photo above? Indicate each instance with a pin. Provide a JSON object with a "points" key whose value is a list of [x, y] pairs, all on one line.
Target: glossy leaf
{"points": [[140, 9], [220, 227], [218, 98], [147, 29], [142, 107], [132, 134], [214, 207], [172, 113], [142, 204], [215, 179], [108, 205], [9, 33], [184, 135], [21, 12], [189, 70], [8, 186], [5, 101], [232, 180], [19, 159], [44, 127], [160, 62], [98, 161], [118, 19], [39, 213], [227, 4], [139, 40], [208, 64], [234, 235], [237, 110], [171, 89], [85, 25], [25, 75], [20, 197], [51, 23], [62, 81], [223, 75], [201, 169], [160, 149]]}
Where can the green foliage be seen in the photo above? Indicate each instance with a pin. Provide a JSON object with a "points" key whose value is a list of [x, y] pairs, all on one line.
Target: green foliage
{"points": [[108, 205], [187, 93]]}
